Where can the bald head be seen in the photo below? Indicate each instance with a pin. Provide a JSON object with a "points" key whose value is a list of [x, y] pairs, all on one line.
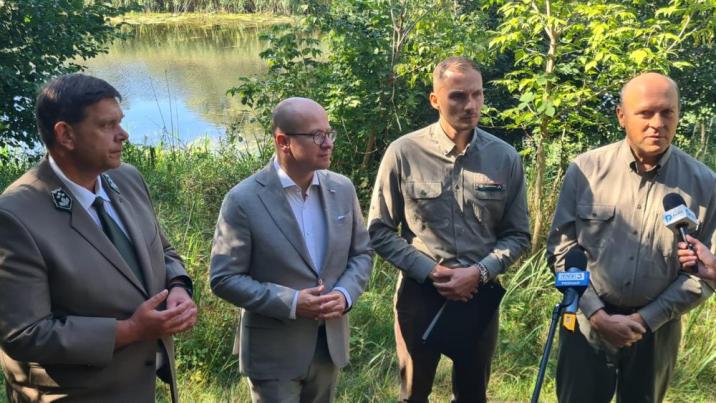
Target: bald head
{"points": [[303, 138], [648, 82], [291, 114], [649, 113]]}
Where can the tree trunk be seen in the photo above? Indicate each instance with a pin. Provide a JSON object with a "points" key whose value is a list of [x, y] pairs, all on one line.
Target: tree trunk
{"points": [[704, 140], [370, 146], [537, 192], [538, 187]]}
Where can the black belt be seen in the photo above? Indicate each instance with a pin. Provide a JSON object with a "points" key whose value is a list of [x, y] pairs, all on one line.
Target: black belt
{"points": [[620, 310]]}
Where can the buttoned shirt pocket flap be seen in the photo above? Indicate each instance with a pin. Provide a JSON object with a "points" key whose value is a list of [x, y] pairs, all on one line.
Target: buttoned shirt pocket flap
{"points": [[424, 190], [594, 225], [595, 212], [490, 191]]}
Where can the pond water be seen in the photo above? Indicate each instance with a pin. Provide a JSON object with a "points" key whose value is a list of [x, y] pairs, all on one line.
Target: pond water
{"points": [[173, 78]]}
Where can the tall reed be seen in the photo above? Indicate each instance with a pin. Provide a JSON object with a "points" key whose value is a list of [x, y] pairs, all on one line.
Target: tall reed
{"points": [[286, 7]]}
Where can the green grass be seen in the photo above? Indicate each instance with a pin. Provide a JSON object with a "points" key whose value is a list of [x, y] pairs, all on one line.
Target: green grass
{"points": [[188, 186]]}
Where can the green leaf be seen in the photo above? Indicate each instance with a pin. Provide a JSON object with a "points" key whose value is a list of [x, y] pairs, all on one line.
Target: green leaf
{"points": [[527, 97], [680, 65], [638, 56], [549, 111]]}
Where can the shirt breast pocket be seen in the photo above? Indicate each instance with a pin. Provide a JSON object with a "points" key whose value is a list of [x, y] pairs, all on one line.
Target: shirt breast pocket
{"points": [[594, 224], [488, 202], [425, 204]]}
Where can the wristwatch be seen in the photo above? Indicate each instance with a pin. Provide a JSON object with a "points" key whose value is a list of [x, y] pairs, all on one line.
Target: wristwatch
{"points": [[484, 274], [182, 284]]}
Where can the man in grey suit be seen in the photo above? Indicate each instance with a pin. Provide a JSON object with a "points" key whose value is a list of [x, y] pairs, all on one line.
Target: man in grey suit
{"points": [[90, 290], [291, 249]]}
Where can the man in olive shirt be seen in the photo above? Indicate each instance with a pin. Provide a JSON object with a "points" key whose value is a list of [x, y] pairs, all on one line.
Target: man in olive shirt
{"points": [[448, 195], [611, 206]]}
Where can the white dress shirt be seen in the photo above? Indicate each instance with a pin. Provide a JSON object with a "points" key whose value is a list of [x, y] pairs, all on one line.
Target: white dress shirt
{"points": [[85, 198], [311, 219]]}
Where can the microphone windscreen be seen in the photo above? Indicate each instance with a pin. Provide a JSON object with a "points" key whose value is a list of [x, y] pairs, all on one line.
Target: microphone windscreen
{"points": [[575, 258], [673, 200]]}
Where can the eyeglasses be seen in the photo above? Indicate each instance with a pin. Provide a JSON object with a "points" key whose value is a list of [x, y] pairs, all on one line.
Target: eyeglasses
{"points": [[319, 136]]}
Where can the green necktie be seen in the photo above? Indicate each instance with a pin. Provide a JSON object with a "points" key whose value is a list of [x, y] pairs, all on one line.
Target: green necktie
{"points": [[119, 240]]}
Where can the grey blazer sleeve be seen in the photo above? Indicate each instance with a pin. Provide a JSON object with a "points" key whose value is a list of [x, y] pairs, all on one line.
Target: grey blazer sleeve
{"points": [[359, 266], [29, 331], [172, 260], [174, 263], [230, 263]]}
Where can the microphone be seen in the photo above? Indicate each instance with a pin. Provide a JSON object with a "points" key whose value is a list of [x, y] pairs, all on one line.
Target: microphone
{"points": [[679, 218], [572, 282]]}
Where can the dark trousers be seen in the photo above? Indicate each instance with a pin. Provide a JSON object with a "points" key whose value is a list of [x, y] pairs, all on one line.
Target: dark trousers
{"points": [[416, 305], [640, 373]]}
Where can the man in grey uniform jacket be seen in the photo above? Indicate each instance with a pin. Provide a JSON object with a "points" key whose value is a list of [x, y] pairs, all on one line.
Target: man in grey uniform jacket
{"points": [[90, 290]]}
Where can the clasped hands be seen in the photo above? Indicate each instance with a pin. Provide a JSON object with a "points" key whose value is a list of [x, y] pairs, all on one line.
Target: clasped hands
{"points": [[458, 284], [312, 304], [148, 323], [619, 330], [625, 330]]}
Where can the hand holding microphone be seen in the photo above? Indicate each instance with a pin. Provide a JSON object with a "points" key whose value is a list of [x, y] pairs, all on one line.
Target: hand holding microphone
{"points": [[698, 257], [681, 220]]}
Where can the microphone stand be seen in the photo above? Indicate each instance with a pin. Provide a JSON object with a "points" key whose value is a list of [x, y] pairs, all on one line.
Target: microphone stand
{"points": [[556, 313]]}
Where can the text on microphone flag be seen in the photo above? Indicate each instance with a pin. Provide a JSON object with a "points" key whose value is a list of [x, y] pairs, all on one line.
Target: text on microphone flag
{"points": [[572, 279], [678, 213]]}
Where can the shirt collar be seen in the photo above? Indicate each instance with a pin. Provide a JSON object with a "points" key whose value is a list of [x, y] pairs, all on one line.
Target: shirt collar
{"points": [[82, 195], [628, 158], [445, 144], [286, 180]]}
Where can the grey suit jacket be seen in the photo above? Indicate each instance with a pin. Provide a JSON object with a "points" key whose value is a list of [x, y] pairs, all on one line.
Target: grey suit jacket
{"points": [[259, 259], [63, 286]]}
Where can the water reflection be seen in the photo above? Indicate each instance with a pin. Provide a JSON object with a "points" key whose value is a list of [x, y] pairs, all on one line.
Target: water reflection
{"points": [[174, 77]]}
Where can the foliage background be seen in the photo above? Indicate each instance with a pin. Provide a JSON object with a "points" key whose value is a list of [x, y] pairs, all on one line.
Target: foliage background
{"points": [[39, 41]]}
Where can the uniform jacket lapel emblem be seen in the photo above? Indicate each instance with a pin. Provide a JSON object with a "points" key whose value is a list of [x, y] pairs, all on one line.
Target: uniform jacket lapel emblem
{"points": [[62, 200], [110, 182]]}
